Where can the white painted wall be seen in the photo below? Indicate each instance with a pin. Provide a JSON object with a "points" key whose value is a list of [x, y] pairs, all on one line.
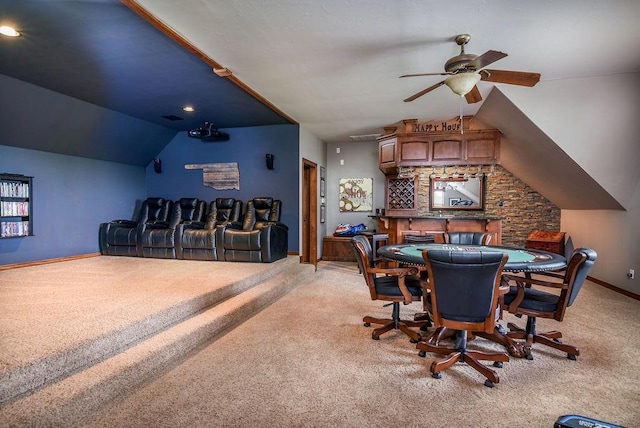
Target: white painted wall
{"points": [[597, 123], [360, 161], [313, 149], [615, 235], [595, 120]]}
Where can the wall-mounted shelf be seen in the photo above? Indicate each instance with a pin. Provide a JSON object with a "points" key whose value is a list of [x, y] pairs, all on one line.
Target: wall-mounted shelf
{"points": [[16, 206]]}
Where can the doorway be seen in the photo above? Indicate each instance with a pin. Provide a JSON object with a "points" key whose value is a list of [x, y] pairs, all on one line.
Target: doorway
{"points": [[309, 253]]}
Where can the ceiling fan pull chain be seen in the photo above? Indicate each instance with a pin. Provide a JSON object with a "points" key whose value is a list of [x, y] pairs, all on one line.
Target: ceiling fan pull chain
{"points": [[461, 124]]}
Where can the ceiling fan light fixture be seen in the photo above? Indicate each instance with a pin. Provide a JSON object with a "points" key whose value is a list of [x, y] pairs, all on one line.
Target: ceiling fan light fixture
{"points": [[462, 83], [9, 31]]}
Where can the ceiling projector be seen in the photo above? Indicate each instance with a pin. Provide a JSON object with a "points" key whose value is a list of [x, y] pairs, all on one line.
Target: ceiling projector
{"points": [[208, 132]]}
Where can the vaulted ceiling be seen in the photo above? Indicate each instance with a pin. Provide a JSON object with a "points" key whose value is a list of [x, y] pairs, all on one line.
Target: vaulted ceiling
{"points": [[333, 66]]}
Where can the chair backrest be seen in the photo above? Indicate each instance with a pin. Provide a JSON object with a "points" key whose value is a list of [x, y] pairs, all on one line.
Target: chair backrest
{"points": [[364, 256], [467, 238], [154, 209], [223, 211], [186, 209], [464, 288], [578, 268], [261, 211]]}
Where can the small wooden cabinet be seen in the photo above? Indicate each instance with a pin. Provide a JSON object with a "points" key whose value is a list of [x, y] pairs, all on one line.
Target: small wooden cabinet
{"points": [[16, 206], [337, 249], [546, 241]]}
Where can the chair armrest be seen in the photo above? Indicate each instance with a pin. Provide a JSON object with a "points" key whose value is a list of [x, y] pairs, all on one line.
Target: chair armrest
{"points": [[232, 225], [193, 225], [401, 273], [124, 222], [522, 284], [158, 225], [522, 281], [395, 271]]}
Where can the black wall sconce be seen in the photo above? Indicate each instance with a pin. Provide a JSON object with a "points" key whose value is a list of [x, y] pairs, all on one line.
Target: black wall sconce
{"points": [[157, 166], [269, 158]]}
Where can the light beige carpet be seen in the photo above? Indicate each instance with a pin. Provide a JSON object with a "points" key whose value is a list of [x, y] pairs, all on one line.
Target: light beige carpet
{"points": [[307, 361]]}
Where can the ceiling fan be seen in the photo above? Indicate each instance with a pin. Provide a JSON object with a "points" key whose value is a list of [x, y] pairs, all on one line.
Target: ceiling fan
{"points": [[465, 70]]}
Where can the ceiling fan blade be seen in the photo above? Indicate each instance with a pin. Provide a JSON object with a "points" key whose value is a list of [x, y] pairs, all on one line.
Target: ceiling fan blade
{"points": [[489, 57], [424, 91], [425, 74], [521, 78], [474, 95]]}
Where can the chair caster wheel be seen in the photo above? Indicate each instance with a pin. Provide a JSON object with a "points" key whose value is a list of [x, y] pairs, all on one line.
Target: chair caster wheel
{"points": [[489, 384], [571, 357], [367, 324], [498, 364], [557, 340], [422, 354], [436, 375], [529, 357], [425, 327], [413, 340], [375, 336]]}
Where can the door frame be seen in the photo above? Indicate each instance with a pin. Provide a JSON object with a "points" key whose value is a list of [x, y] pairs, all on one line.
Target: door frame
{"points": [[309, 226]]}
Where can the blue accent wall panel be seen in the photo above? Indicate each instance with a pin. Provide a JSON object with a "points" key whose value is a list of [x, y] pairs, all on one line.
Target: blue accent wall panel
{"points": [[246, 146], [71, 197]]}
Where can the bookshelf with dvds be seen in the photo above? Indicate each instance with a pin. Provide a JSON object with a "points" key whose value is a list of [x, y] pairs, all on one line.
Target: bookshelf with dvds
{"points": [[16, 209]]}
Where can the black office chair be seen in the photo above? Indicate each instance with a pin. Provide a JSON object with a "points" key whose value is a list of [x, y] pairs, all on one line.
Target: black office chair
{"points": [[523, 299], [464, 289], [389, 284], [467, 238]]}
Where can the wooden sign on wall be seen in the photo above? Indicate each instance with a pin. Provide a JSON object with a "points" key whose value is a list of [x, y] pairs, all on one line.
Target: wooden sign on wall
{"points": [[220, 176]]}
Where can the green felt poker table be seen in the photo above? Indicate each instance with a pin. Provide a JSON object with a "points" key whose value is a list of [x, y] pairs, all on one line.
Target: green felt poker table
{"points": [[520, 259]]}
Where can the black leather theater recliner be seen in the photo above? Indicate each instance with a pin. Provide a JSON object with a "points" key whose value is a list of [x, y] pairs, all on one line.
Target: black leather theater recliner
{"points": [[261, 237], [197, 240], [158, 239], [120, 237]]}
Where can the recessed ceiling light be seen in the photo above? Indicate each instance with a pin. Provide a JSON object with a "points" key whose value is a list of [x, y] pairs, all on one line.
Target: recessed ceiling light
{"points": [[9, 31], [188, 109]]}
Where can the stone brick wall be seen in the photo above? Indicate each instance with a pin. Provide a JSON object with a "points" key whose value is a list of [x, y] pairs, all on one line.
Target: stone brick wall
{"points": [[521, 208]]}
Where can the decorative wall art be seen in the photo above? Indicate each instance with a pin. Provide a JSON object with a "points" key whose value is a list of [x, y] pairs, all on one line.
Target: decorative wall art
{"points": [[220, 176], [356, 194]]}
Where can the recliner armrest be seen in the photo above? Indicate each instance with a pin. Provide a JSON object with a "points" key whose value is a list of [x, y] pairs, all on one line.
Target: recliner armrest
{"points": [[193, 225], [232, 225], [124, 222], [158, 225]]}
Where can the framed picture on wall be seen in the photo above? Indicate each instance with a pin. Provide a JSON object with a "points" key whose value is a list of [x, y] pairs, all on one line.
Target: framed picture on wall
{"points": [[356, 194], [323, 186], [322, 213]]}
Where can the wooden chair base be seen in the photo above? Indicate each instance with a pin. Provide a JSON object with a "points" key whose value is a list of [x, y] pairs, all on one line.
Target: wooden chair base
{"points": [[551, 339], [390, 324], [462, 354]]}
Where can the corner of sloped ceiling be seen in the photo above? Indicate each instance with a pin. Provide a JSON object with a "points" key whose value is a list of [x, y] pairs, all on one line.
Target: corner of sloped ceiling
{"points": [[528, 153], [39, 119]]}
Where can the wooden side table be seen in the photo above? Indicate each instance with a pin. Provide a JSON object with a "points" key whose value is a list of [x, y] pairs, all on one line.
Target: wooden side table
{"points": [[338, 249], [546, 241]]}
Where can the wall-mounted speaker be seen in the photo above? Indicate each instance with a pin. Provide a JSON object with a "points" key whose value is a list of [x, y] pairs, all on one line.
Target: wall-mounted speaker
{"points": [[269, 160], [157, 166]]}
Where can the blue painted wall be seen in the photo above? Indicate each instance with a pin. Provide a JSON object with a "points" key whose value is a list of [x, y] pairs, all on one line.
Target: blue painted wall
{"points": [[246, 146], [71, 197]]}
